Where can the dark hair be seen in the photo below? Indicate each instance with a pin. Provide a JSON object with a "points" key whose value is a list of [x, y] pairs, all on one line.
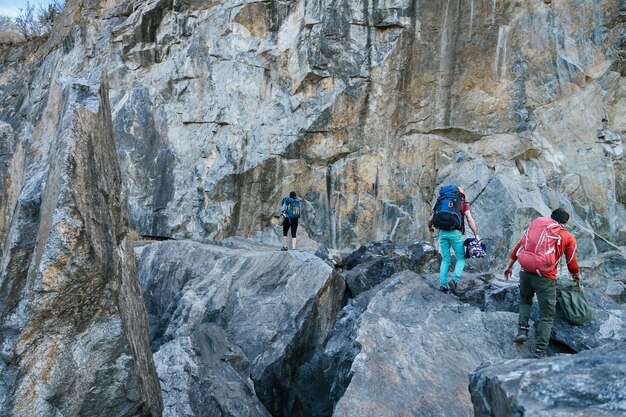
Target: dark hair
{"points": [[560, 215], [293, 194]]}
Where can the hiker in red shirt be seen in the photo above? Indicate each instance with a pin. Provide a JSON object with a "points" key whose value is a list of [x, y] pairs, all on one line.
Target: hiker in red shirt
{"points": [[538, 253]]}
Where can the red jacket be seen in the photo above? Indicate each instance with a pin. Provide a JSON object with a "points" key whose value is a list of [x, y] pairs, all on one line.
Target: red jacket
{"points": [[567, 247]]}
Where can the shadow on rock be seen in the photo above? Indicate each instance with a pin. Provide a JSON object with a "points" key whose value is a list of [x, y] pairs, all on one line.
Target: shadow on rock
{"points": [[375, 262]]}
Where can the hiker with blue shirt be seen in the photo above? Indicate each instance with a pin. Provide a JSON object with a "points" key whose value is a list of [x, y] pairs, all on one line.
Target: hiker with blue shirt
{"points": [[448, 216], [291, 207]]}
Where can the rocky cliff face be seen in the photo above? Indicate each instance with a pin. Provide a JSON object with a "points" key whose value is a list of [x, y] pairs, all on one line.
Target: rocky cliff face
{"points": [[219, 108], [73, 330], [364, 108]]}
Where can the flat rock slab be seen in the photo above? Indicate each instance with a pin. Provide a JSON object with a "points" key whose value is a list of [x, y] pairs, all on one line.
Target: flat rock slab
{"points": [[588, 384], [418, 347]]}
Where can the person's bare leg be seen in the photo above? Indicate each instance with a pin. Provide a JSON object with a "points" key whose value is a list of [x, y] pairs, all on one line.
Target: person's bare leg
{"points": [[284, 241], [293, 243]]}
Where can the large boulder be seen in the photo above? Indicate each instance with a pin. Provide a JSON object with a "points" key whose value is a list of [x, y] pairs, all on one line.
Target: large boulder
{"points": [[590, 383], [617, 291], [374, 262], [416, 348], [73, 325], [502, 296], [251, 317]]}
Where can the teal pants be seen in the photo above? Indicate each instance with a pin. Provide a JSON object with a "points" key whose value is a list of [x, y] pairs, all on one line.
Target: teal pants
{"points": [[545, 288], [451, 239]]}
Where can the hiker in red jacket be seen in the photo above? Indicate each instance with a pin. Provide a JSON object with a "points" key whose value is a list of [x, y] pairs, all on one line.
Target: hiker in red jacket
{"points": [[538, 253]]}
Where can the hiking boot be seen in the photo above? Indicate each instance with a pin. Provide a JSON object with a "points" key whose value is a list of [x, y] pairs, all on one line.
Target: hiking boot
{"points": [[452, 285], [444, 289], [522, 334], [540, 354], [284, 248]]}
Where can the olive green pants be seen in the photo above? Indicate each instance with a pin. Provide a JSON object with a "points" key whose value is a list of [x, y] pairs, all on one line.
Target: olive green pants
{"points": [[545, 288]]}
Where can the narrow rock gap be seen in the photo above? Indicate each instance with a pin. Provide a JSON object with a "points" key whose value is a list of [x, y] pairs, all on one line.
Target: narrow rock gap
{"points": [[559, 347], [298, 379]]}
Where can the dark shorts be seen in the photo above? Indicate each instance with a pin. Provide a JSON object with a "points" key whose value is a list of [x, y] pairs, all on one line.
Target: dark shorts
{"points": [[287, 223]]}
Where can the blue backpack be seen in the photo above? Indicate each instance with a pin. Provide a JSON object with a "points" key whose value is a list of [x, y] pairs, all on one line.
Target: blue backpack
{"points": [[292, 207], [447, 211]]}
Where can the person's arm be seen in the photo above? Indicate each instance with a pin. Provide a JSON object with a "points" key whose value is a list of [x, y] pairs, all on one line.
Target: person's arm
{"points": [[472, 224], [509, 269], [509, 266], [570, 257], [430, 225]]}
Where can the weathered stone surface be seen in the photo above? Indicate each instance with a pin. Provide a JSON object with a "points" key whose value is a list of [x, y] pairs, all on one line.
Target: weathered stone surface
{"points": [[323, 379], [417, 347], [590, 383], [476, 289], [73, 326], [609, 265], [204, 374], [11, 165], [272, 236], [502, 296], [221, 108], [617, 291], [375, 262], [333, 257], [273, 309], [6, 139]]}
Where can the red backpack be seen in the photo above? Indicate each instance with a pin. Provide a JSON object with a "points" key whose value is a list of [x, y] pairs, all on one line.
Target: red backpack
{"points": [[537, 254]]}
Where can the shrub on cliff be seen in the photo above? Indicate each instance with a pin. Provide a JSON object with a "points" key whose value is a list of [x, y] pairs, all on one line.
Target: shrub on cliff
{"points": [[9, 33], [33, 23]]}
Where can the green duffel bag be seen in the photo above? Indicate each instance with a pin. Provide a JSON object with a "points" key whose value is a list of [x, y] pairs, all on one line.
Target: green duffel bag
{"points": [[573, 303]]}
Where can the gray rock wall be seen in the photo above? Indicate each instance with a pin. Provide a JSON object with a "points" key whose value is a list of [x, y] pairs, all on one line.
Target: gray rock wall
{"points": [[73, 326], [221, 108]]}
